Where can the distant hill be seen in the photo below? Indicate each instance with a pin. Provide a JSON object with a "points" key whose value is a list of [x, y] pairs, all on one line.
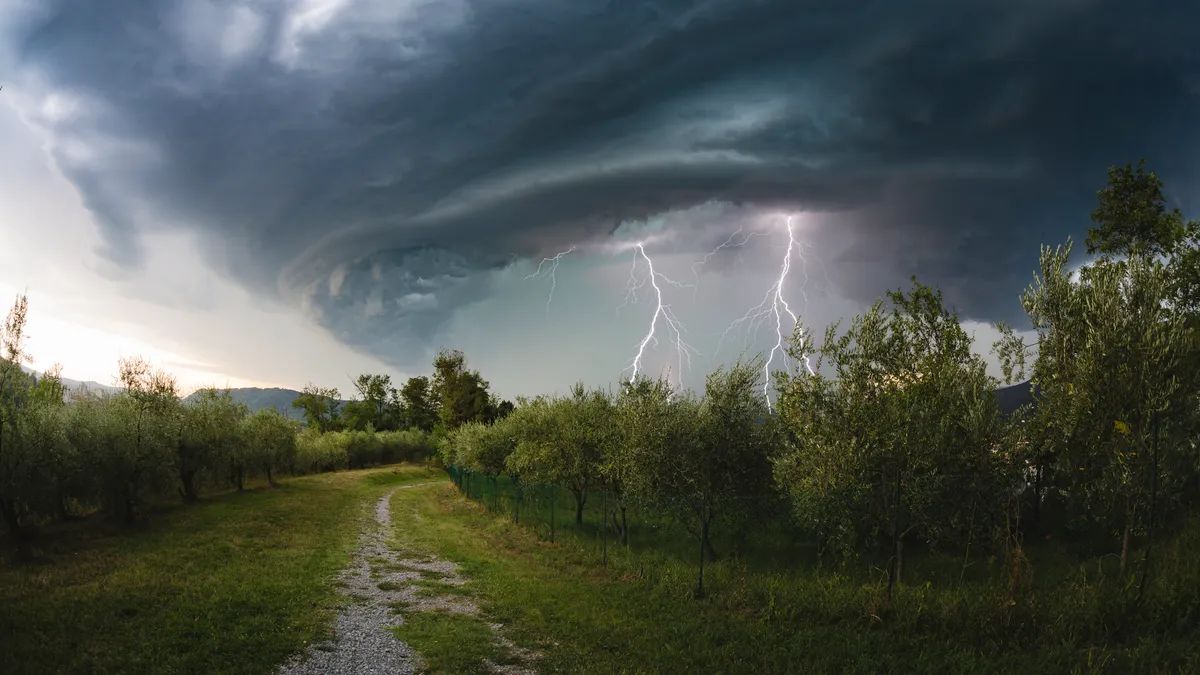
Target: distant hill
{"points": [[257, 398], [77, 385], [1013, 397]]}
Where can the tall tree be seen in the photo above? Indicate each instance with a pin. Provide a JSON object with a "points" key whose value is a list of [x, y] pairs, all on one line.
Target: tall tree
{"points": [[1132, 218], [1111, 356], [375, 405], [419, 408], [320, 407], [462, 395]]}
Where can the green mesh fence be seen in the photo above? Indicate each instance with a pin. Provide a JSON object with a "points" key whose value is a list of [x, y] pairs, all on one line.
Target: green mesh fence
{"points": [[601, 518]]}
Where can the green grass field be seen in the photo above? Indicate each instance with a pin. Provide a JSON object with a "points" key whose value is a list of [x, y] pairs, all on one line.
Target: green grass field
{"points": [[234, 584], [637, 614], [239, 582]]}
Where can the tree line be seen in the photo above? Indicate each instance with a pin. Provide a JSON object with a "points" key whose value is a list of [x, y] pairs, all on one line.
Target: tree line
{"points": [[452, 396], [897, 438], [67, 454]]}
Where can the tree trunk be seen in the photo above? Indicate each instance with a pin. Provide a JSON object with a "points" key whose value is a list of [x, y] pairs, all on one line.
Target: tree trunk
{"points": [[60, 502], [900, 560], [240, 473], [130, 509], [1037, 487], [1153, 505], [894, 568], [703, 550], [580, 500], [1125, 538], [604, 529], [188, 478], [624, 528], [270, 479], [12, 519], [708, 547]]}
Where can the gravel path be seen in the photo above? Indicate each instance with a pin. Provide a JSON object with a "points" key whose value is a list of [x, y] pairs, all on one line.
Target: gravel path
{"points": [[378, 580], [362, 643]]}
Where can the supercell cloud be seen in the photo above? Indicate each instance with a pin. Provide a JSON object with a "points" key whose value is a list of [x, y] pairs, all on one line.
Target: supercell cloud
{"points": [[378, 162]]}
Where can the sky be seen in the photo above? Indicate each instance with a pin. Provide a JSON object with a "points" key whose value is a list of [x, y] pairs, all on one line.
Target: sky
{"points": [[276, 192]]}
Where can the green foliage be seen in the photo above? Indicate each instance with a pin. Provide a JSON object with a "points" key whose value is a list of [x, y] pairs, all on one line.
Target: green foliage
{"points": [[482, 447], [902, 439], [269, 438], [320, 407], [461, 395], [1111, 353], [143, 444], [378, 404], [561, 440], [1132, 218], [418, 405]]}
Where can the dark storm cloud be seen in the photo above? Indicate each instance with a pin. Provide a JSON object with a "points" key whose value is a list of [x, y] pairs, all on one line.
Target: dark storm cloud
{"points": [[375, 141]]}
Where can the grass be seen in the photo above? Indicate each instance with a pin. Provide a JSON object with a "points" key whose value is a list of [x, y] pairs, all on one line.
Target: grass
{"points": [[451, 643], [234, 584], [637, 616], [430, 587]]}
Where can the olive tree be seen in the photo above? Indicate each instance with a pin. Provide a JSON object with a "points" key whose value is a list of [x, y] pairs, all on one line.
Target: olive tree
{"points": [[140, 430], [210, 438], [900, 439], [1111, 361], [705, 459], [271, 438], [565, 448]]}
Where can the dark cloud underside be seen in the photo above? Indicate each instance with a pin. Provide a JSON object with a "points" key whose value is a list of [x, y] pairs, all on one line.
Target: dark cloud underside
{"points": [[406, 147]]}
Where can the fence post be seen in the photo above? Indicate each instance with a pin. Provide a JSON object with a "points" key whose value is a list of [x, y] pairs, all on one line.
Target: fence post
{"points": [[552, 491], [516, 504]]}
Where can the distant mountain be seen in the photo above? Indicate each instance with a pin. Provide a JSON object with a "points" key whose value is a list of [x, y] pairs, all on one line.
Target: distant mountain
{"points": [[77, 385], [257, 398], [1013, 397]]}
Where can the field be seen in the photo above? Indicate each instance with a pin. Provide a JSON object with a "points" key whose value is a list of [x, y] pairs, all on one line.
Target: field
{"points": [[234, 584], [238, 582]]}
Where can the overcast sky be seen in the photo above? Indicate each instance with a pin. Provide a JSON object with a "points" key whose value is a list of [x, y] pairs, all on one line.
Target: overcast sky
{"points": [[274, 192]]}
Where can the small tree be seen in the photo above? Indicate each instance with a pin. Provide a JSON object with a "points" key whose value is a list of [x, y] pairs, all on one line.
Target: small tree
{"points": [[564, 449], [141, 459], [210, 437], [272, 437]]}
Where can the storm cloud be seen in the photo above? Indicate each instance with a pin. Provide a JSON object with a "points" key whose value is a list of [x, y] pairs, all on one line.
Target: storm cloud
{"points": [[377, 162]]}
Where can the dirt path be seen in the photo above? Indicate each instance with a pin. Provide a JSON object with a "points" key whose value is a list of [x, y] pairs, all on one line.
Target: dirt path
{"points": [[381, 585]]}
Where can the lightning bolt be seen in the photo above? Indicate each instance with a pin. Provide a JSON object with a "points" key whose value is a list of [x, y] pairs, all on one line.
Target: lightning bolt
{"points": [[674, 327], [551, 270], [774, 306], [728, 243]]}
